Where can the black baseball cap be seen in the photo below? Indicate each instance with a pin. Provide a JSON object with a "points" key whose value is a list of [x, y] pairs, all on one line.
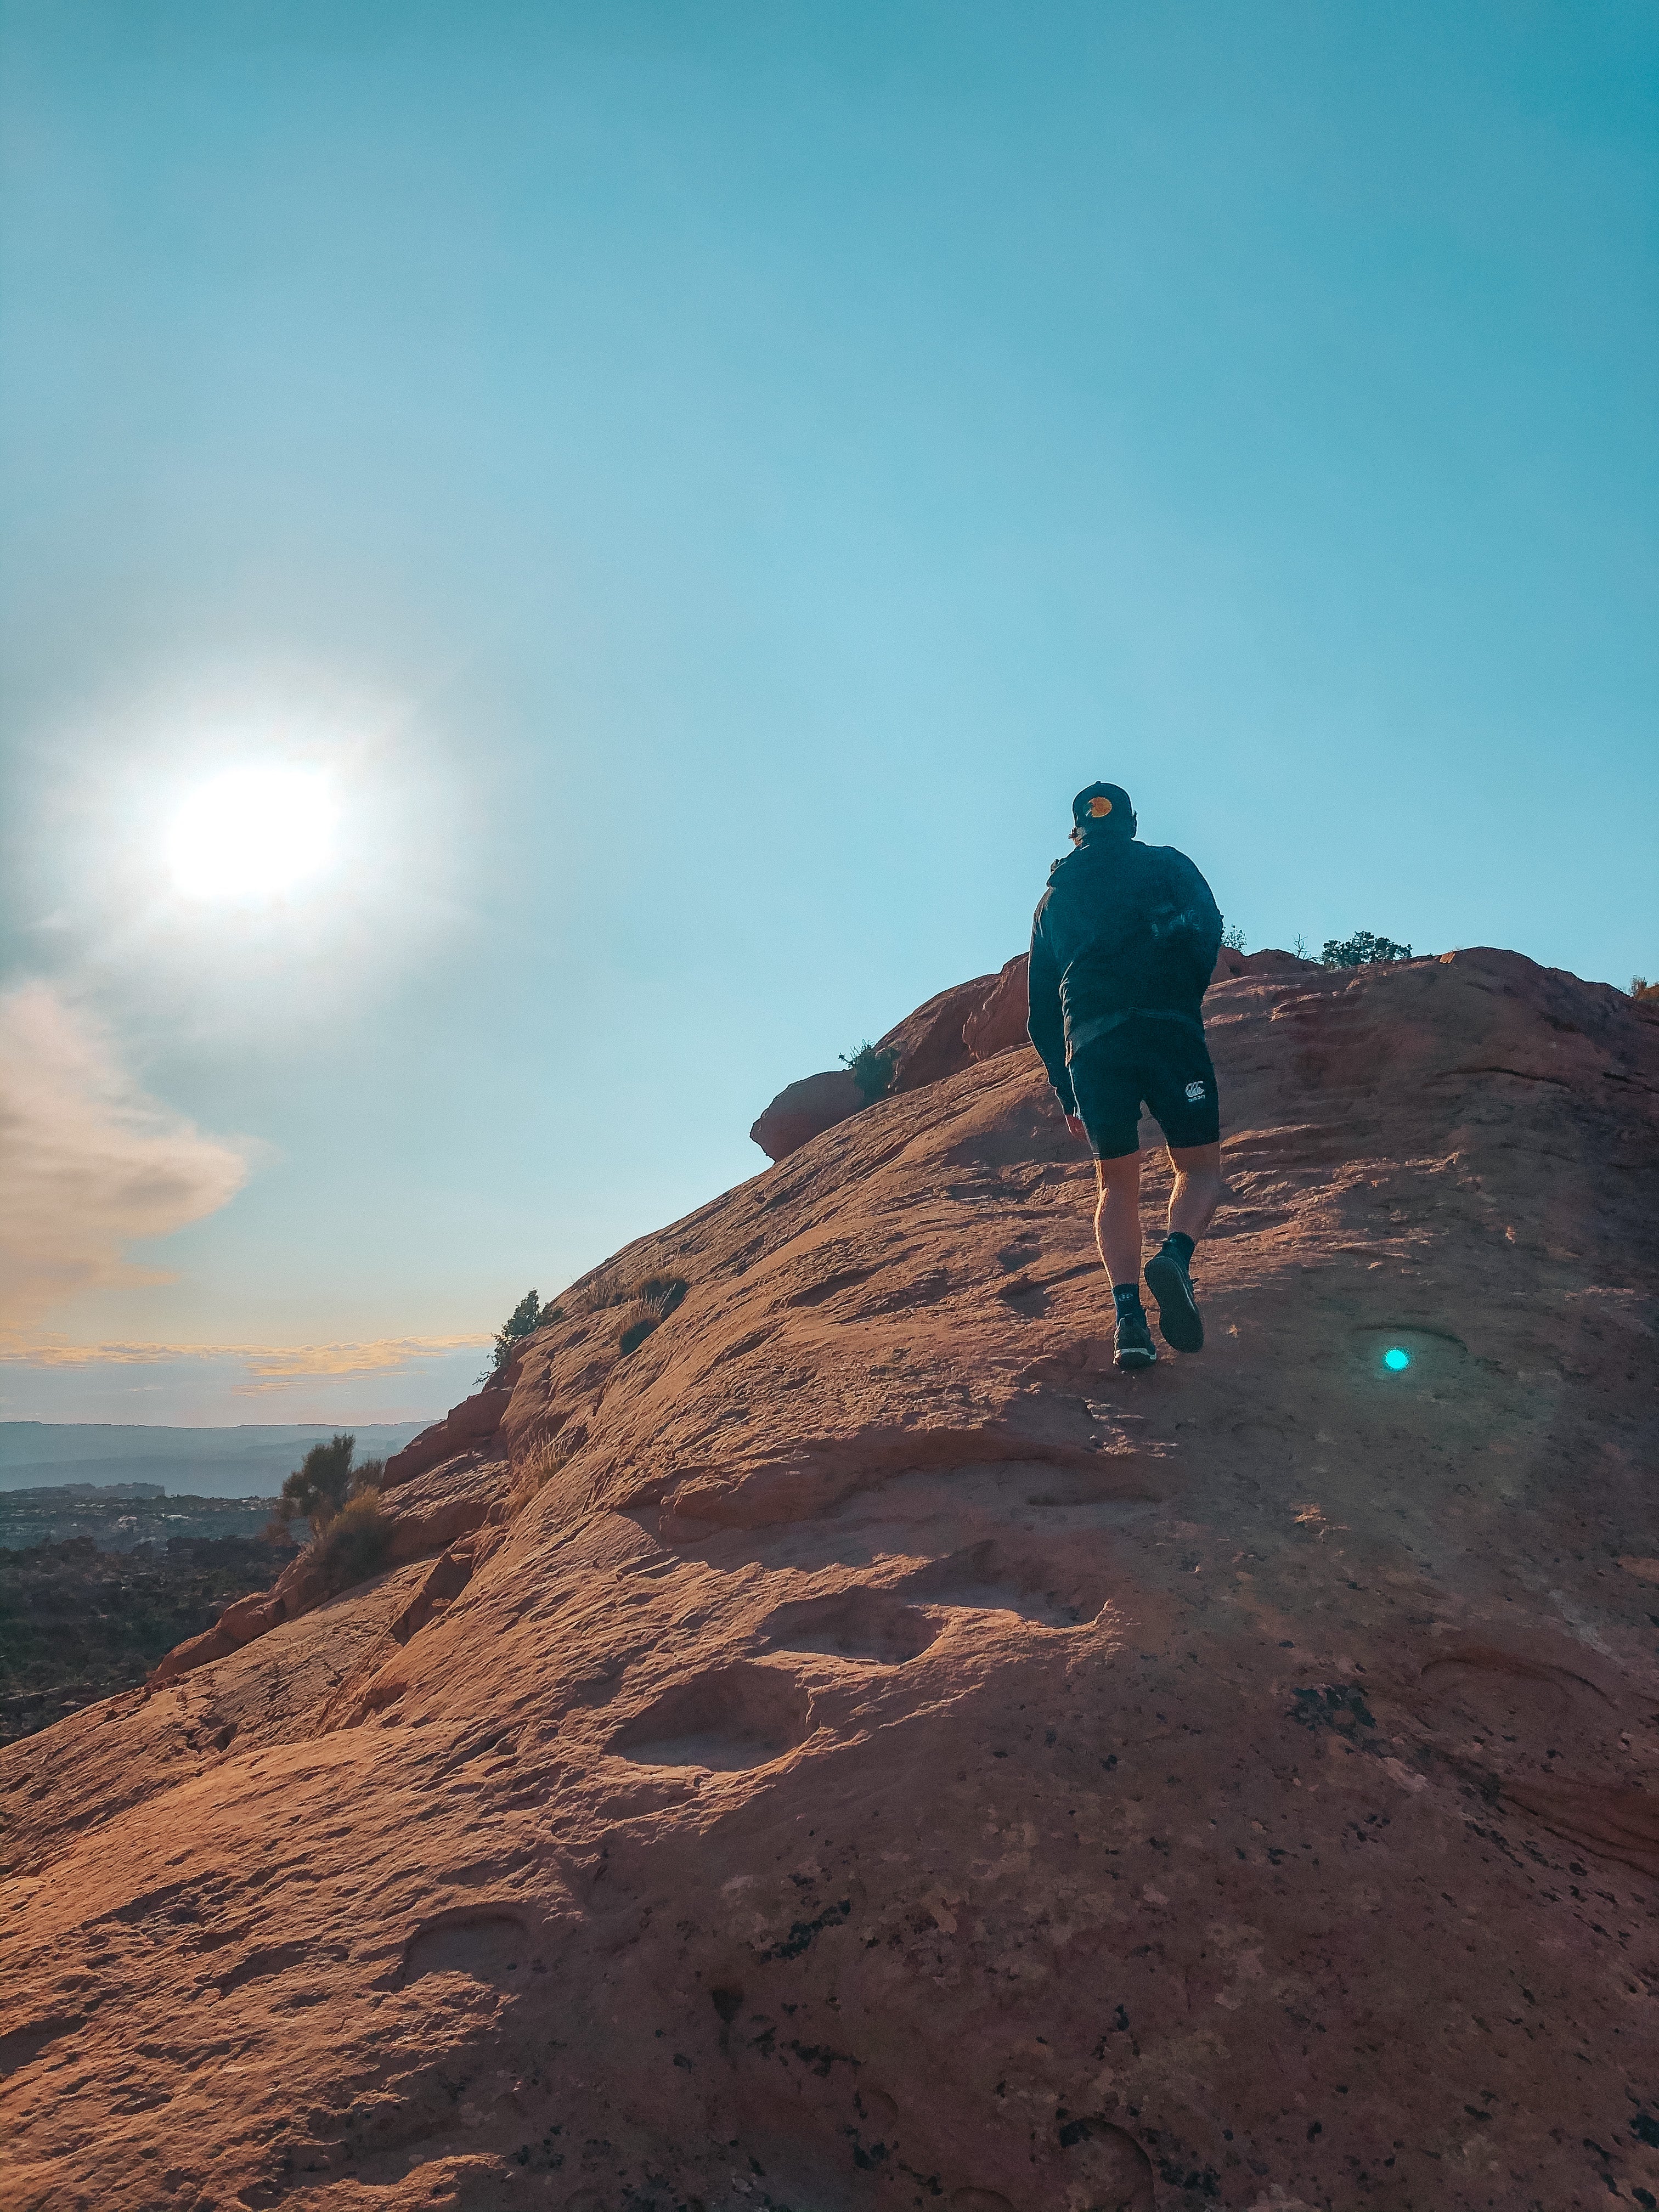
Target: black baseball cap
{"points": [[1104, 804]]}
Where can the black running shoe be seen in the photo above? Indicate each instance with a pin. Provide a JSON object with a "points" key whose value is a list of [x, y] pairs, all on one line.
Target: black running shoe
{"points": [[1135, 1347], [1178, 1317]]}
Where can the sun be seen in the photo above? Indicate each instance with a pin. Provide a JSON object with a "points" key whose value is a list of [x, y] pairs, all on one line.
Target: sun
{"points": [[253, 833]]}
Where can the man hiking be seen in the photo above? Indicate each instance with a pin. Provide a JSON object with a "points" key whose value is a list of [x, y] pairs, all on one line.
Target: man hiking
{"points": [[1123, 943]]}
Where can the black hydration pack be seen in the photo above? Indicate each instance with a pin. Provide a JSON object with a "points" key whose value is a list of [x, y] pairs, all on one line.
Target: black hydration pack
{"points": [[1123, 929]]}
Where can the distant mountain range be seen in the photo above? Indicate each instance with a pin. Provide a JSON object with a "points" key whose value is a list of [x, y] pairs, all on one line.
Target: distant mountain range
{"points": [[250, 1461]]}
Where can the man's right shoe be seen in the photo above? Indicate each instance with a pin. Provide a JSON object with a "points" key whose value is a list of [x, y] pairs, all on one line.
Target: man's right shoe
{"points": [[1135, 1347], [1178, 1317]]}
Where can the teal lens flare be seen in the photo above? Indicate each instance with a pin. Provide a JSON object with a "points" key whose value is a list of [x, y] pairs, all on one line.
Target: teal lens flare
{"points": [[1395, 1359]]}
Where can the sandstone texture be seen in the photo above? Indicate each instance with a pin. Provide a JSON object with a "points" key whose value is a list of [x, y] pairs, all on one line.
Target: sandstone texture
{"points": [[856, 1750], [805, 1110]]}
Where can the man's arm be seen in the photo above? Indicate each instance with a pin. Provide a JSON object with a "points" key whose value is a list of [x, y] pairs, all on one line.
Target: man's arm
{"points": [[1200, 920], [1045, 1022]]}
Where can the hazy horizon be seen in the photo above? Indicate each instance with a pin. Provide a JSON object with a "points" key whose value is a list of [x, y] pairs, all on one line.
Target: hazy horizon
{"points": [[252, 1459]]}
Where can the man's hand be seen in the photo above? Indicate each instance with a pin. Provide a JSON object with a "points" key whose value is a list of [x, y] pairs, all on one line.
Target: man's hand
{"points": [[1077, 1128]]}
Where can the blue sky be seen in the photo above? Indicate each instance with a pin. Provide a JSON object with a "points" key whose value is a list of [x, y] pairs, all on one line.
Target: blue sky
{"points": [[708, 483]]}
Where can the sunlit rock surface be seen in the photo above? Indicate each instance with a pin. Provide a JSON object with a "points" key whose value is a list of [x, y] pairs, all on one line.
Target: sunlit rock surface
{"points": [[856, 1750]]}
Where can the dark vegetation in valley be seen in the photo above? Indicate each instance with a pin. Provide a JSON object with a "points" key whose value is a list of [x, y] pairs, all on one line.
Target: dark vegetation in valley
{"points": [[78, 1624]]}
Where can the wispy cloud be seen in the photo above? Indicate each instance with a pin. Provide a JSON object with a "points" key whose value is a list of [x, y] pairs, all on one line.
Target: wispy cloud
{"points": [[267, 1368], [89, 1164]]}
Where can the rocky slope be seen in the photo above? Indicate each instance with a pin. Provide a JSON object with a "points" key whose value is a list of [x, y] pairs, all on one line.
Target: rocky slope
{"points": [[839, 1745]]}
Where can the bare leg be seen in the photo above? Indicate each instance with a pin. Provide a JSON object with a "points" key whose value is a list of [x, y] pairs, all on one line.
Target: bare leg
{"points": [[1198, 1190], [1117, 1217]]}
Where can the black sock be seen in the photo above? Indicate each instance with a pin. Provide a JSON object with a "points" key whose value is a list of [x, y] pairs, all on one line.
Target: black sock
{"points": [[1126, 1296], [1181, 1244]]}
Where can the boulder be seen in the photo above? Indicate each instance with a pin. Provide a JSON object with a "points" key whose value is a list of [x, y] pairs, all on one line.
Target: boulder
{"points": [[804, 1110], [928, 1045], [473, 1422], [998, 1023]]}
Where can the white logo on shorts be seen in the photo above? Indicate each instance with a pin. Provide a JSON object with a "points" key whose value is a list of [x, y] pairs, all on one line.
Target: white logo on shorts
{"points": [[1194, 1092]]}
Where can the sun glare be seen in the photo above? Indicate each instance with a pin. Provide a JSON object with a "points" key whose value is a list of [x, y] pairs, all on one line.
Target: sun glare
{"points": [[253, 832]]}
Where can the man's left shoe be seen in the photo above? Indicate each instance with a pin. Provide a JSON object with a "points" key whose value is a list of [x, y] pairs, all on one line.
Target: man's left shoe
{"points": [[1134, 1348], [1178, 1319]]}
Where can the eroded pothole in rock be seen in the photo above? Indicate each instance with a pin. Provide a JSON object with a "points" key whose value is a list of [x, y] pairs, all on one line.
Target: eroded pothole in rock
{"points": [[740, 1716], [864, 1624], [993, 1578], [487, 1947]]}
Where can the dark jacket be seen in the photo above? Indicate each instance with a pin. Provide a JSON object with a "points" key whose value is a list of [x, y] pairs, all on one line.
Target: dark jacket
{"points": [[1123, 929]]}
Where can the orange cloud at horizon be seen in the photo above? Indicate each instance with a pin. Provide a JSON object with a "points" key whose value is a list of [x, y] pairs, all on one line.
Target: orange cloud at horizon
{"points": [[270, 1368]]}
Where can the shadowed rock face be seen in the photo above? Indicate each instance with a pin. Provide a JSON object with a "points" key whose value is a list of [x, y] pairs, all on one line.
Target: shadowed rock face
{"points": [[857, 1750]]}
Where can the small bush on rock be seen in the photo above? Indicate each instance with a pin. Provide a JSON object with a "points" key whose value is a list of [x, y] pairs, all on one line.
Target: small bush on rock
{"points": [[1361, 949], [1233, 938], [525, 1318], [871, 1069], [320, 1486], [355, 1544], [1641, 988]]}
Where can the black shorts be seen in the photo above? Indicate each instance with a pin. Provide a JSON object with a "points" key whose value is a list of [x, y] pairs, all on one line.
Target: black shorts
{"points": [[1167, 1063]]}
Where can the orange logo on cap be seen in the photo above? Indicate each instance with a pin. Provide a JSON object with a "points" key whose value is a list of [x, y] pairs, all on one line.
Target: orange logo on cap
{"points": [[1100, 808]]}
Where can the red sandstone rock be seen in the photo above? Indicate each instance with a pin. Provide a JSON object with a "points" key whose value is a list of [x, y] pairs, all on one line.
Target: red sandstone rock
{"points": [[866, 1752], [431, 1508], [924, 1048], [998, 1023], [474, 1421], [927, 1045], [805, 1110], [1230, 963]]}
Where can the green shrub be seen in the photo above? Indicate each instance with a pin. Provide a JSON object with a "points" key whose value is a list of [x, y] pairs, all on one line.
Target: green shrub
{"points": [[1361, 949], [355, 1544], [525, 1318], [871, 1069], [320, 1484], [349, 1532], [1233, 938], [1641, 988]]}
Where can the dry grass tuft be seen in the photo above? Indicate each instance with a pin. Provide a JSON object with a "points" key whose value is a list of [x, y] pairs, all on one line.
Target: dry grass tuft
{"points": [[657, 1294], [653, 1302], [540, 1463], [354, 1544]]}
